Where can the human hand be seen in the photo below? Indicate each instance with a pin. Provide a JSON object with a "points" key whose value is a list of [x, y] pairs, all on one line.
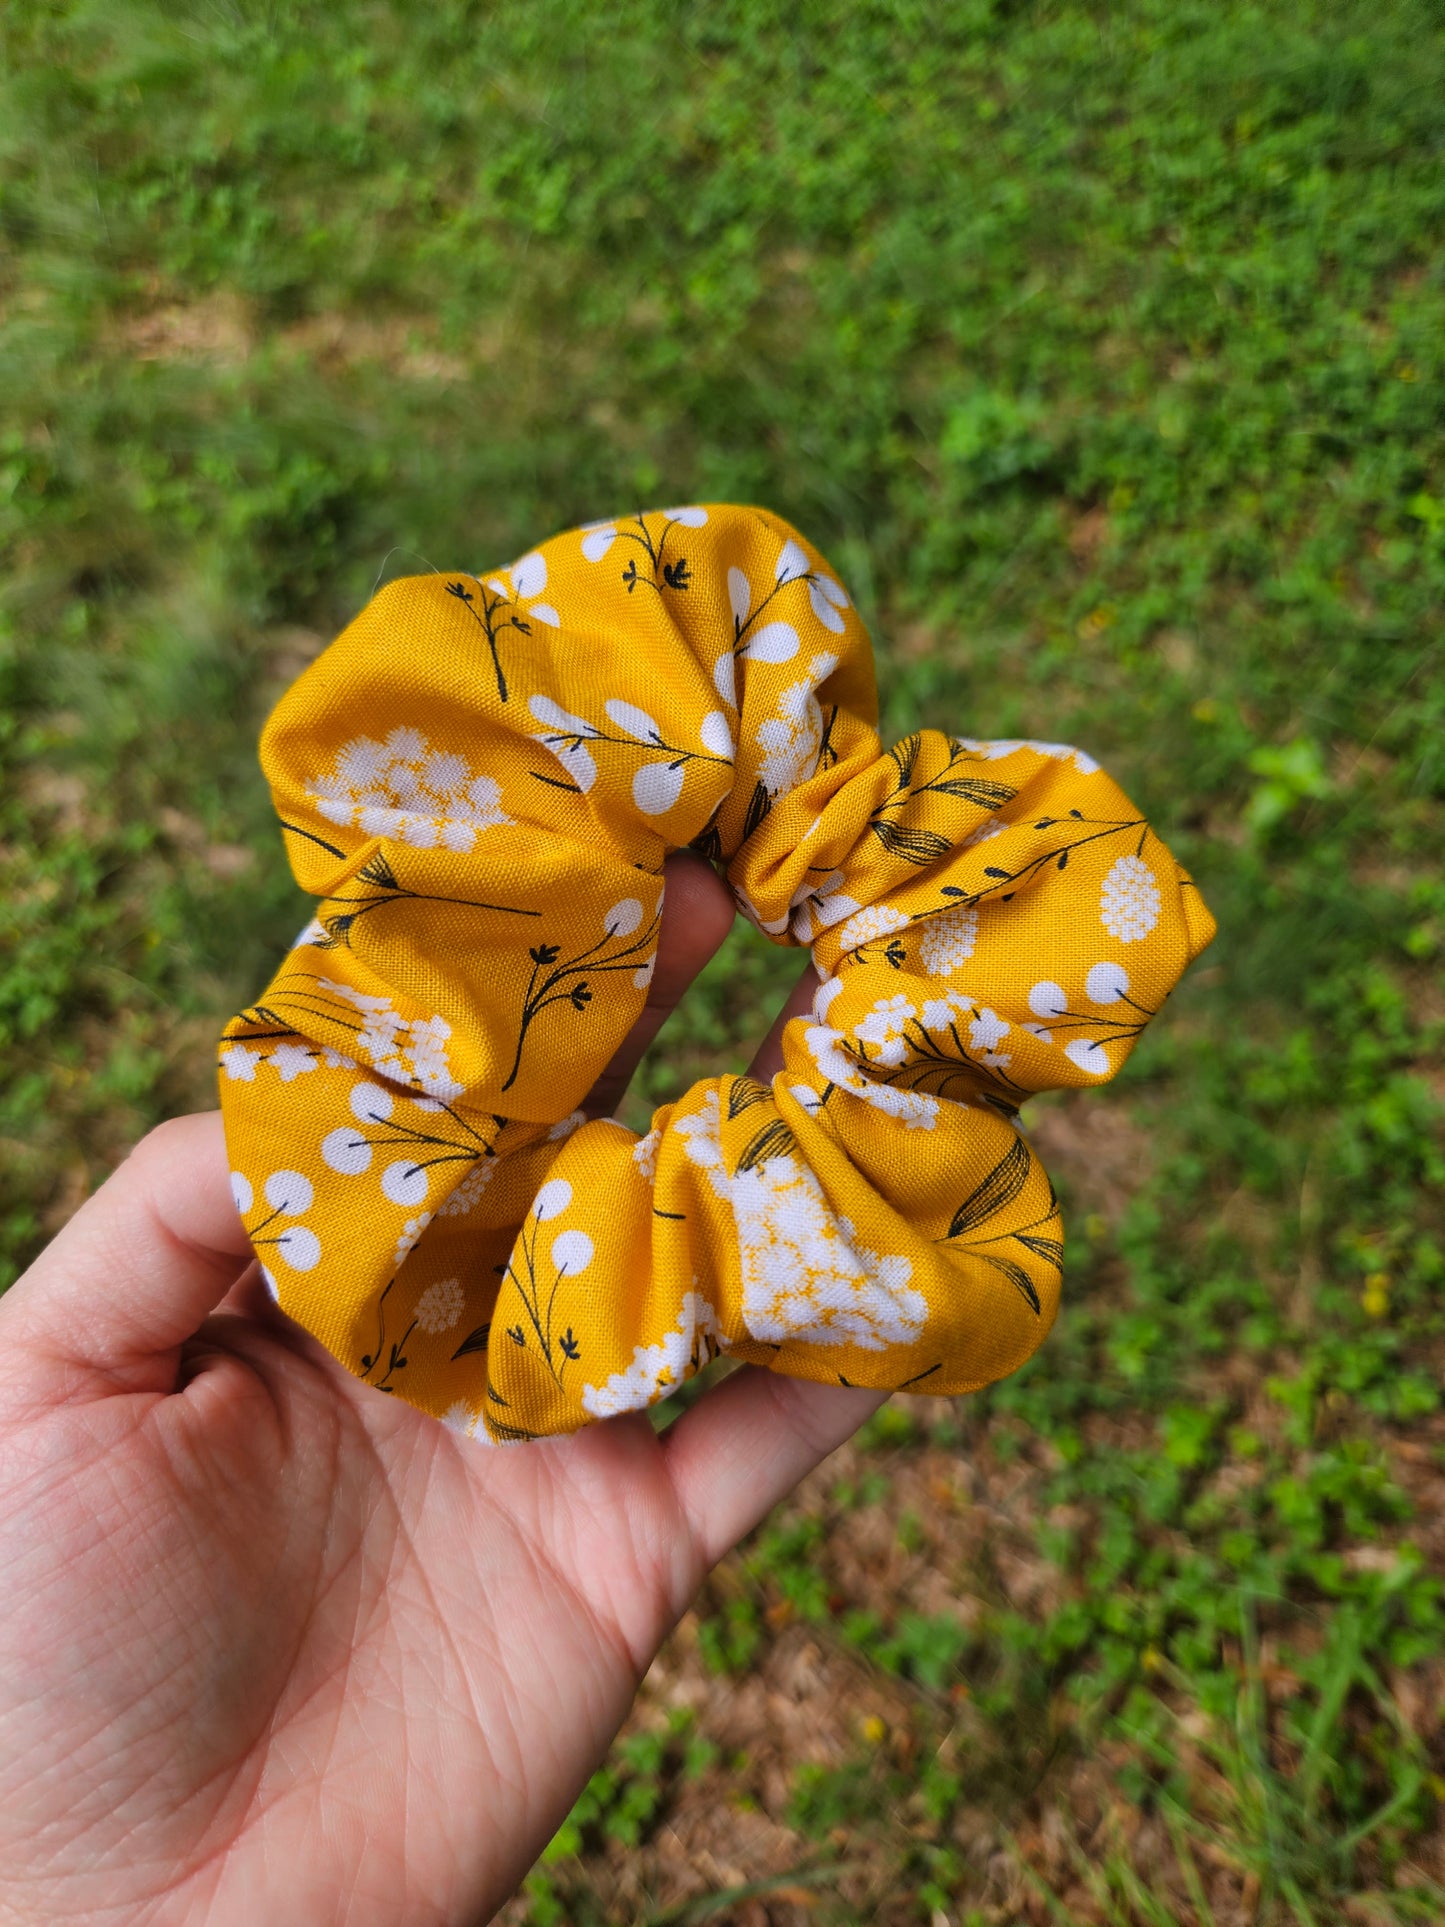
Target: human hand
{"points": [[276, 1645]]}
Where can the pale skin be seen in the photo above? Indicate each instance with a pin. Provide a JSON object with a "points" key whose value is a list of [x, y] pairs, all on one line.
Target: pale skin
{"points": [[278, 1647]]}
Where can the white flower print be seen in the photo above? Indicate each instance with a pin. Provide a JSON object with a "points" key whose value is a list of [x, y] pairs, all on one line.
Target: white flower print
{"points": [[644, 1155], [598, 537], [440, 1306], [804, 1277], [1129, 902], [986, 1029], [1106, 983], [791, 740], [567, 737], [876, 920], [407, 1050], [701, 1133], [239, 1064], [836, 1066], [292, 1060], [884, 1028], [824, 594], [1060, 752], [528, 580], [754, 915], [475, 1181], [827, 902], [948, 939], [992, 827], [408, 791], [1089, 1055], [658, 1369], [656, 785], [411, 1231], [806, 1097], [288, 1194]]}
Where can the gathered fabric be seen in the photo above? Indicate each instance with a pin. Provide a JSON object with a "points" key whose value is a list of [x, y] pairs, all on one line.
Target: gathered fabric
{"points": [[480, 780]]}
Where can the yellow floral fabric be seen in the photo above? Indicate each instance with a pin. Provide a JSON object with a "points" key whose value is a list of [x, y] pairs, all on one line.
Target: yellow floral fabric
{"points": [[479, 780]]}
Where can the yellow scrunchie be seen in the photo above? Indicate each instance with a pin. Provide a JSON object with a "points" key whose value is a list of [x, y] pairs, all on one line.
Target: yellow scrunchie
{"points": [[480, 780]]}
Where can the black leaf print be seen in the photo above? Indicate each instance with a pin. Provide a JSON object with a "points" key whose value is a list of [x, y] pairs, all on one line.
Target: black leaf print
{"points": [[1017, 1277], [827, 755], [709, 844], [382, 886], [517, 1336], [905, 758], [999, 1188], [1051, 1250], [516, 1432], [475, 1341], [775, 1140], [914, 846], [568, 980], [491, 620], [991, 871], [377, 870], [973, 789], [743, 1092], [758, 806], [570, 1347], [917, 1376], [675, 574]]}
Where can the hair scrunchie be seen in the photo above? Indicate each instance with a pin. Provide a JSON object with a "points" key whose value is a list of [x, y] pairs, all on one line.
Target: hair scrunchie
{"points": [[480, 779]]}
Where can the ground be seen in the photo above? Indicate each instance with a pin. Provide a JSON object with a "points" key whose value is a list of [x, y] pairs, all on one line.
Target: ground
{"points": [[1100, 349]]}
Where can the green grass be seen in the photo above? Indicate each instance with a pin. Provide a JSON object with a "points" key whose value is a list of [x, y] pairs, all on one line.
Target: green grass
{"points": [[1100, 347]]}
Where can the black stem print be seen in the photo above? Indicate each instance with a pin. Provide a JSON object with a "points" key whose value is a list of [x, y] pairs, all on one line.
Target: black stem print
{"points": [[674, 575], [544, 987], [573, 739], [894, 953], [1059, 855], [927, 1060], [827, 755], [384, 887], [993, 1194], [486, 620], [741, 627], [926, 846], [370, 1360], [473, 1147], [295, 829], [530, 1293]]}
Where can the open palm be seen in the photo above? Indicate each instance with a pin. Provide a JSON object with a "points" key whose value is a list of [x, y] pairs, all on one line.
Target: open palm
{"points": [[277, 1645]]}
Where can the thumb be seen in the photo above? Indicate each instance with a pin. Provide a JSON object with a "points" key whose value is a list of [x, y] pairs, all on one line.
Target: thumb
{"points": [[108, 1304]]}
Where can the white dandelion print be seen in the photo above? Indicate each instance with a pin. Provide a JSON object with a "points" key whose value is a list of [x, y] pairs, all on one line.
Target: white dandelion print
{"points": [[948, 940], [408, 791], [1129, 903], [440, 1306]]}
